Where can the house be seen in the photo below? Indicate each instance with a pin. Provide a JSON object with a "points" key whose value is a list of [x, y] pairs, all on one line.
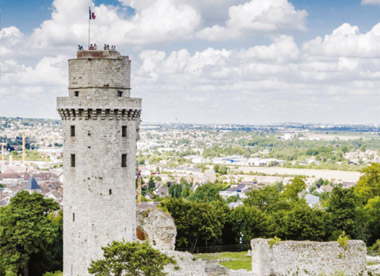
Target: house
{"points": [[236, 190], [13, 179], [32, 186], [311, 200], [161, 191]]}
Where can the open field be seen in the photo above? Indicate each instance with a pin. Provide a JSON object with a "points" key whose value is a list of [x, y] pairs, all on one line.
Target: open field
{"points": [[231, 260], [336, 136], [345, 176]]}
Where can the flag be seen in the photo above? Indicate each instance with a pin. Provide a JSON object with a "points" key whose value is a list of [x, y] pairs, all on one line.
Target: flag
{"points": [[91, 14]]}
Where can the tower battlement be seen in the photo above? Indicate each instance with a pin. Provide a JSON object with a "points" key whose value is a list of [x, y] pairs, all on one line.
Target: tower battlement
{"points": [[98, 54]]}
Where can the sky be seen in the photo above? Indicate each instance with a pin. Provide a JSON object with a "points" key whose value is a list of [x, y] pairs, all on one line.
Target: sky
{"points": [[203, 61]]}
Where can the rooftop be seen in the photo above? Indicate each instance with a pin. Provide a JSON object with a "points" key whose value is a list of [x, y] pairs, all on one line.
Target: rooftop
{"points": [[32, 184], [98, 54]]}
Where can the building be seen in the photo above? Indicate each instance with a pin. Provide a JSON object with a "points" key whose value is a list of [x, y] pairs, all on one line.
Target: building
{"points": [[100, 128], [32, 186]]}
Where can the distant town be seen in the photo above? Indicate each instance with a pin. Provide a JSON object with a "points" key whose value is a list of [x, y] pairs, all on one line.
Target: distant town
{"points": [[237, 158]]}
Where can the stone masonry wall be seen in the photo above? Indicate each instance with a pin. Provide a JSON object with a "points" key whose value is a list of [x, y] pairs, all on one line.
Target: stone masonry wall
{"points": [[99, 193], [287, 258], [156, 227]]}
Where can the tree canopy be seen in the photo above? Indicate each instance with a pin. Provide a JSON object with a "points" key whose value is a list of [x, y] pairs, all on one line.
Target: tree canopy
{"points": [[30, 231], [197, 223], [130, 258], [368, 185]]}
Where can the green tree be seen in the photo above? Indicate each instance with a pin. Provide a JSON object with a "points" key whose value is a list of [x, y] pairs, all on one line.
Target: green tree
{"points": [[175, 190], [266, 199], [343, 211], [231, 199], [300, 223], [151, 183], [368, 185], [130, 258], [223, 215], [292, 190], [372, 214], [186, 191], [27, 231], [197, 223], [249, 223], [206, 193], [221, 169]]}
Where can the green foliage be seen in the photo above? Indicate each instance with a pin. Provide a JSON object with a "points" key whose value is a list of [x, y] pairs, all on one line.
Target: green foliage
{"points": [[30, 155], [232, 199], [372, 217], [273, 241], [130, 258], [30, 235], [368, 185], [343, 240], [197, 223], [175, 190], [249, 222], [375, 247], [57, 273], [266, 199], [299, 223], [10, 273], [151, 183], [221, 169], [206, 193], [343, 211], [292, 190], [180, 190]]}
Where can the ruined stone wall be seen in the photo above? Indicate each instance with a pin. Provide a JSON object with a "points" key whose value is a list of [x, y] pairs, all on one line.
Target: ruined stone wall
{"points": [[156, 227], [287, 258], [99, 193]]}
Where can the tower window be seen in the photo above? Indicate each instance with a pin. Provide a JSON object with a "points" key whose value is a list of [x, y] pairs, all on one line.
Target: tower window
{"points": [[73, 160], [119, 93], [76, 93], [72, 131], [123, 160], [124, 131], [110, 191], [73, 216]]}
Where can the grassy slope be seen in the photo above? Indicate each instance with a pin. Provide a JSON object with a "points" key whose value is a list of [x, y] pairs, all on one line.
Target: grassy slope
{"points": [[231, 260]]}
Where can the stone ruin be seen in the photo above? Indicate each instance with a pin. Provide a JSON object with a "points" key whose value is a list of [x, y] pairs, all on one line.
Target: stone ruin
{"points": [[269, 258], [301, 258], [156, 227], [159, 230]]}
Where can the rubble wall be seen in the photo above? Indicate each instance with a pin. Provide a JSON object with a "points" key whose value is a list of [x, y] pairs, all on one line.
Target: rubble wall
{"points": [[286, 258], [157, 228]]}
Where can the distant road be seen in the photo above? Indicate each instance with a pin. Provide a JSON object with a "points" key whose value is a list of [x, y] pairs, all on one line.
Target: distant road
{"points": [[345, 176]]}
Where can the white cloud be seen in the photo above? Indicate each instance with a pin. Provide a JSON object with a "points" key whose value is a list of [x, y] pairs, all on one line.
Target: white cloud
{"points": [[370, 2], [274, 82], [347, 41], [334, 77], [161, 20], [210, 10], [9, 38], [284, 49], [32, 89], [256, 16]]}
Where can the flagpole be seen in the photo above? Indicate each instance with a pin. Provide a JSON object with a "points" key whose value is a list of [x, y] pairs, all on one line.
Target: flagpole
{"points": [[89, 20]]}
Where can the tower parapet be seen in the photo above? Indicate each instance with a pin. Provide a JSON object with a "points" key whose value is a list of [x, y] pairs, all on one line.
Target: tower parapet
{"points": [[100, 127]]}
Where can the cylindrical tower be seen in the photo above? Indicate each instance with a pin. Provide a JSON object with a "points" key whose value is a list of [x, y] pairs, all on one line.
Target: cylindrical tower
{"points": [[100, 128]]}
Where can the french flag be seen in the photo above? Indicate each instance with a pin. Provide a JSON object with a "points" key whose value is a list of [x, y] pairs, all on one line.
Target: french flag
{"points": [[91, 14]]}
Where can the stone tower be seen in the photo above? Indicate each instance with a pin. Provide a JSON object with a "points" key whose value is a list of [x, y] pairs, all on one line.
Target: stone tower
{"points": [[100, 128]]}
